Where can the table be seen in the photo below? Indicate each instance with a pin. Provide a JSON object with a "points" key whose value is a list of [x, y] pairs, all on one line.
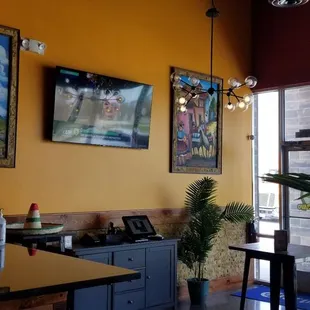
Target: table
{"points": [[278, 260], [26, 273]]}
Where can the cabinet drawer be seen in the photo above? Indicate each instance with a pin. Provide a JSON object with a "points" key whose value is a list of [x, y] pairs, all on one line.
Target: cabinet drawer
{"points": [[130, 259], [129, 301], [131, 285], [99, 258]]}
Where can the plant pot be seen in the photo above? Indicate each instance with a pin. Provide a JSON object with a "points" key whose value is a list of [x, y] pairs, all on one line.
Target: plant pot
{"points": [[198, 290]]}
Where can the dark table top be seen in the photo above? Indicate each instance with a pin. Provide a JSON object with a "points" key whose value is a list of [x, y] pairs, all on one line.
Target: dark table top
{"points": [[267, 248], [45, 273]]}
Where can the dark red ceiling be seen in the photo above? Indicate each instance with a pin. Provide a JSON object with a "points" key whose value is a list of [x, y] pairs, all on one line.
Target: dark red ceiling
{"points": [[281, 45]]}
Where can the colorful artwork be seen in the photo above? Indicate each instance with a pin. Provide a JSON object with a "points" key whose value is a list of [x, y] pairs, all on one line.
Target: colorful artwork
{"points": [[9, 56], [100, 110], [197, 133]]}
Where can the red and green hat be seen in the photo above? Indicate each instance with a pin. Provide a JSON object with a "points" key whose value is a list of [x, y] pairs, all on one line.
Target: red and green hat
{"points": [[33, 219]]}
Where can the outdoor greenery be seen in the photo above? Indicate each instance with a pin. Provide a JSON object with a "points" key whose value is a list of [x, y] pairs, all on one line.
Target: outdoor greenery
{"points": [[206, 219]]}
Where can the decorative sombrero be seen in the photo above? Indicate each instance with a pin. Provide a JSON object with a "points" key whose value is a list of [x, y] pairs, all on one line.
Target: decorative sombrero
{"points": [[33, 225], [33, 219]]}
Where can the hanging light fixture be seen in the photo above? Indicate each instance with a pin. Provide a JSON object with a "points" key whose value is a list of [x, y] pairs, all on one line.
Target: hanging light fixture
{"points": [[190, 88], [288, 3]]}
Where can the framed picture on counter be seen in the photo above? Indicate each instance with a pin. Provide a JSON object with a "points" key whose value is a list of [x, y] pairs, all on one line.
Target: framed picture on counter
{"points": [[9, 62]]}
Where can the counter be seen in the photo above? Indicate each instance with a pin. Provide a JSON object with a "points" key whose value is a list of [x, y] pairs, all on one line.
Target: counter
{"points": [[25, 273]]}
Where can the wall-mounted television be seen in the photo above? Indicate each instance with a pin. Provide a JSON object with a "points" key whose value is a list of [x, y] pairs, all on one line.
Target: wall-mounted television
{"points": [[101, 110]]}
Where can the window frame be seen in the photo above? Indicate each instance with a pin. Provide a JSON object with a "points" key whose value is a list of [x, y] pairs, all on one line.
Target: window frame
{"points": [[284, 148]]}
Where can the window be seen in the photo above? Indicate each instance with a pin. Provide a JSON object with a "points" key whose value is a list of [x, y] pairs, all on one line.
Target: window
{"points": [[281, 127], [266, 160]]}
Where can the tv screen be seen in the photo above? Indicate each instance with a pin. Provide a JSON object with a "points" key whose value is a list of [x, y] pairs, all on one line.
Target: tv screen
{"points": [[101, 110]]}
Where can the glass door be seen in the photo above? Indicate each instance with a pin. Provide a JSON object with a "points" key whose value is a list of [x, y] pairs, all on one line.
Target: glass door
{"points": [[281, 127], [266, 160]]}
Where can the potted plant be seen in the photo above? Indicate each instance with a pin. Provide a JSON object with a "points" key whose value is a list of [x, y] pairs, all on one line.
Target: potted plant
{"points": [[205, 221]]}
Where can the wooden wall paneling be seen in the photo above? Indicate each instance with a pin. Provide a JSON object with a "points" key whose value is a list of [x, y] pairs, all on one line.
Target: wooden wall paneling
{"points": [[97, 220]]}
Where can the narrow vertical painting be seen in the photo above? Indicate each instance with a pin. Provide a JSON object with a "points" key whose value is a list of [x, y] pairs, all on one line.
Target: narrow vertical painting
{"points": [[9, 58], [197, 132]]}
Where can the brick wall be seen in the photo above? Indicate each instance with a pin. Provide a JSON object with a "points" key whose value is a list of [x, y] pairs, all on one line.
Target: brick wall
{"points": [[297, 116], [297, 111]]}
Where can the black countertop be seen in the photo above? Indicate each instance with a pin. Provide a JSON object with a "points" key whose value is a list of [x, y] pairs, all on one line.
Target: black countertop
{"points": [[23, 275]]}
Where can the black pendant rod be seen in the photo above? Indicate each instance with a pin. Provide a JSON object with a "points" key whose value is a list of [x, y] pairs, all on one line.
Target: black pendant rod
{"points": [[211, 58], [212, 13]]}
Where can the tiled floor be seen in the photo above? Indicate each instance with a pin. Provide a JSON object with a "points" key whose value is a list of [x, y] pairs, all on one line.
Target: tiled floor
{"points": [[223, 301]]}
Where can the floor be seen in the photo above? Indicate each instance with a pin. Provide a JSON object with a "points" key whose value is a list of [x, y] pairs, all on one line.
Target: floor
{"points": [[223, 301]]}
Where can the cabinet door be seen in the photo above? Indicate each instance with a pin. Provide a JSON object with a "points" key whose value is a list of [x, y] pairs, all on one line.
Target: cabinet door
{"points": [[94, 298], [160, 275]]}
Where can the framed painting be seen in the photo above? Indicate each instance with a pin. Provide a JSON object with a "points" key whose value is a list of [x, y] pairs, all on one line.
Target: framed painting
{"points": [[197, 132], [9, 61]]}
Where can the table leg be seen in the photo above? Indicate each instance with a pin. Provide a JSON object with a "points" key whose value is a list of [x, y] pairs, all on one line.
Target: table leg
{"points": [[245, 280], [275, 279], [289, 279], [70, 300]]}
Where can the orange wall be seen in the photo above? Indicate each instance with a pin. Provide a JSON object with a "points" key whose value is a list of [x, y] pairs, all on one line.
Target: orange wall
{"points": [[136, 40]]}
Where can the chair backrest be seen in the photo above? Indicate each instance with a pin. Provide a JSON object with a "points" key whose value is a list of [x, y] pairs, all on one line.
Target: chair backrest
{"points": [[267, 199]]}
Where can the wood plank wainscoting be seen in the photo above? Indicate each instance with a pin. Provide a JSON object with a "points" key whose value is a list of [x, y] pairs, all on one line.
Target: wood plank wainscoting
{"points": [[166, 221]]}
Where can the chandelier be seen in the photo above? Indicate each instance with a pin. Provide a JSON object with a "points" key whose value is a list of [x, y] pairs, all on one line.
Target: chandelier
{"points": [[190, 87]]}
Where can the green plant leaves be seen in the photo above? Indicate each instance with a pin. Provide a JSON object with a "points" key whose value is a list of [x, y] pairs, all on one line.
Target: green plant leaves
{"points": [[237, 212], [206, 219], [199, 193], [298, 181]]}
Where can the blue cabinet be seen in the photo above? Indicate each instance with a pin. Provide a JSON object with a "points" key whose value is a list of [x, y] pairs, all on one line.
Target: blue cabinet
{"points": [[160, 276], [88, 298], [156, 289]]}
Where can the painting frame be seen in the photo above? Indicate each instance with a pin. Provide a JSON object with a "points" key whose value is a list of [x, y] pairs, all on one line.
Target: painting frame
{"points": [[9, 70], [202, 168]]}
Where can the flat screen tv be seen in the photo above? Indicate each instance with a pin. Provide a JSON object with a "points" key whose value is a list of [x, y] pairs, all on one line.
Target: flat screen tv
{"points": [[101, 110]]}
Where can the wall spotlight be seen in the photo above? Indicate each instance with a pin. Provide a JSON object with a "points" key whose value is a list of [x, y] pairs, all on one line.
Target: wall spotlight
{"points": [[31, 45]]}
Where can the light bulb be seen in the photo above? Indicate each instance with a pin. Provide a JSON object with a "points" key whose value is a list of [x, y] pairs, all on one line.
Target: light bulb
{"points": [[250, 81], [194, 80], [229, 106], [233, 82], [248, 99], [41, 46], [183, 108], [120, 99], [175, 77], [182, 100], [177, 85], [25, 43], [246, 107], [241, 104]]}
